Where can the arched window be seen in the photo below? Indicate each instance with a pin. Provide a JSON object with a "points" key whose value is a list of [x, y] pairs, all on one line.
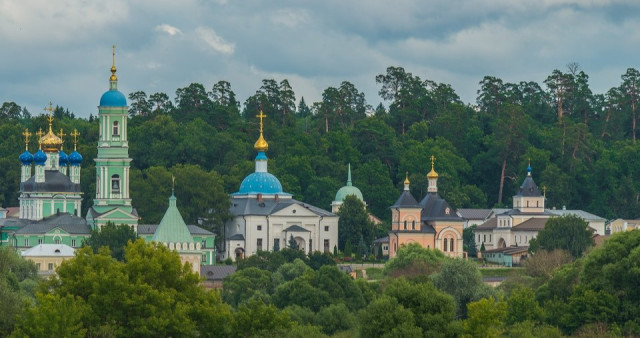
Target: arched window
{"points": [[527, 204], [413, 225], [115, 184], [405, 225], [445, 245], [451, 245], [116, 128]]}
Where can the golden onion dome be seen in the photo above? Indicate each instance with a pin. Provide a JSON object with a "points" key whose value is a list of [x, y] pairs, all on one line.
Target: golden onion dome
{"points": [[406, 179], [50, 142], [432, 174], [261, 144]]}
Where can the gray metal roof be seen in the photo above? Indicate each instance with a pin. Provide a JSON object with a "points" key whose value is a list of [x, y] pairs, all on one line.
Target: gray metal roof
{"points": [[54, 181], [216, 272], [424, 228], [65, 221], [406, 200], [382, 240], [434, 209], [237, 237], [474, 213], [580, 213], [491, 223], [150, 229], [268, 206], [529, 188]]}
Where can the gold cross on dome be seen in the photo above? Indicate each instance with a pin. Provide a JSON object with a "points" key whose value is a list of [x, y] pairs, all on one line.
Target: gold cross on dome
{"points": [[261, 116], [49, 108], [61, 135], [433, 159], [26, 134], [75, 135], [39, 133]]}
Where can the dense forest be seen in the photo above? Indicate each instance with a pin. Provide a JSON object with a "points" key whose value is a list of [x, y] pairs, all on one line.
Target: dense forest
{"points": [[581, 145]]}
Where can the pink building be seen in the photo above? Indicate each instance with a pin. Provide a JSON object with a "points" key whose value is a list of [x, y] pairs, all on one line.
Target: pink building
{"points": [[432, 223]]}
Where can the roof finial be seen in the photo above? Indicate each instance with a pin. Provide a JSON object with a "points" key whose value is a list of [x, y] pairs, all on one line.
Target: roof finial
{"points": [[261, 144], [349, 176], [26, 134], [529, 168], [544, 191], [173, 185], [75, 135], [61, 135], [113, 65], [406, 181], [40, 133], [432, 173]]}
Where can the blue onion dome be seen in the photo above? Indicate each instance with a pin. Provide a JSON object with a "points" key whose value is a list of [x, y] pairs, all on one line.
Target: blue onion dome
{"points": [[40, 157], [64, 159], [113, 98], [260, 183], [26, 158], [75, 158]]}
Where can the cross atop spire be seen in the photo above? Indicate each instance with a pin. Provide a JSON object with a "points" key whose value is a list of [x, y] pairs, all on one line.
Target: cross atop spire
{"points": [[26, 134], [75, 135], [261, 116], [40, 133], [173, 185], [61, 135], [113, 76]]}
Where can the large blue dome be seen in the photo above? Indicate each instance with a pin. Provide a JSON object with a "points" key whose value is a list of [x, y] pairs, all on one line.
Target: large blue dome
{"points": [[26, 158], [260, 183], [75, 158], [113, 98], [40, 157]]}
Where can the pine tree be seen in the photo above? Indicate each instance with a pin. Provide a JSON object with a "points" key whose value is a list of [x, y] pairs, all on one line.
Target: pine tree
{"points": [[347, 249], [292, 243]]}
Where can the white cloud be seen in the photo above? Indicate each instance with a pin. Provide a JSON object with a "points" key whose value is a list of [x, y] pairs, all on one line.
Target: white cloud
{"points": [[215, 41], [171, 30], [290, 17]]}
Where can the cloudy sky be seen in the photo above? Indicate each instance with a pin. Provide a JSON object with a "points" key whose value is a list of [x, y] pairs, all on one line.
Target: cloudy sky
{"points": [[60, 51]]}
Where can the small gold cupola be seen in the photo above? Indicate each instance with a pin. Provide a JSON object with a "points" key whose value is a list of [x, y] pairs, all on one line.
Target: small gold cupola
{"points": [[50, 142], [261, 144], [432, 173]]}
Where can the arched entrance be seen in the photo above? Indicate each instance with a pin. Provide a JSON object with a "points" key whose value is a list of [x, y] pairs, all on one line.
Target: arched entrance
{"points": [[502, 243], [301, 243], [239, 253]]}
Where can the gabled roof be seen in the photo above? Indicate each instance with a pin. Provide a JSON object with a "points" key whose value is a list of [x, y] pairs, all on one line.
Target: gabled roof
{"points": [[406, 200], [296, 228], [237, 237], [70, 224], [474, 213], [54, 181], [381, 240], [216, 272], [49, 250], [434, 208], [532, 224], [269, 205], [491, 223], [172, 228], [425, 228]]}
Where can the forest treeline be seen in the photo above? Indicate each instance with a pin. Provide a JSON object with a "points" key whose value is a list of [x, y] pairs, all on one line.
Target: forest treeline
{"points": [[581, 145]]}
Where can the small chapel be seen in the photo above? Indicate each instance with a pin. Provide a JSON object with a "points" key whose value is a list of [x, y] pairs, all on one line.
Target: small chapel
{"points": [[432, 223]]}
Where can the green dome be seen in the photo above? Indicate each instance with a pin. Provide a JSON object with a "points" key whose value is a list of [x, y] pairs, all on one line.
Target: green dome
{"points": [[348, 189]]}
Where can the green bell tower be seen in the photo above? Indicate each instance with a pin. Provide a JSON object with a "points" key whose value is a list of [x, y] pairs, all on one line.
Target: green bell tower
{"points": [[112, 202]]}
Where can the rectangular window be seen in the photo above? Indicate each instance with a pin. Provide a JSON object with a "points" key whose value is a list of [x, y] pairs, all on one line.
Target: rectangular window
{"points": [[276, 244], [26, 242], [204, 258], [38, 266], [39, 240], [259, 227], [259, 244], [73, 243], [310, 245], [327, 248], [326, 228], [50, 266], [489, 238], [204, 243], [57, 240], [484, 239]]}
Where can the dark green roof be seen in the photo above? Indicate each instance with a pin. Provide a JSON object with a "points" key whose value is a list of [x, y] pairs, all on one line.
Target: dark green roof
{"points": [[172, 228]]}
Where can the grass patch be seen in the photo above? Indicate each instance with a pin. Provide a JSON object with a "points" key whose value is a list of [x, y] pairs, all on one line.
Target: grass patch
{"points": [[375, 273]]}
